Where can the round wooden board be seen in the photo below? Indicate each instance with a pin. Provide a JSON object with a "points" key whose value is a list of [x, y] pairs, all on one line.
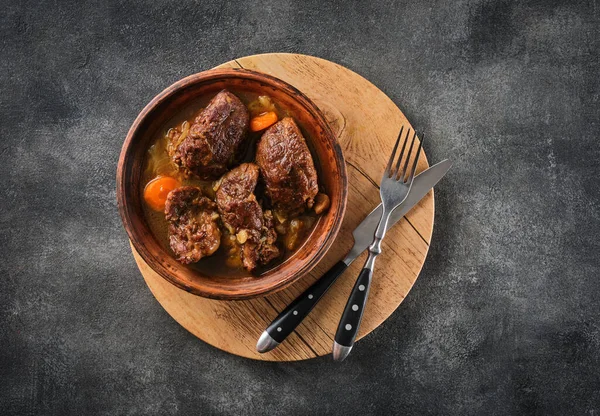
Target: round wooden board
{"points": [[366, 122]]}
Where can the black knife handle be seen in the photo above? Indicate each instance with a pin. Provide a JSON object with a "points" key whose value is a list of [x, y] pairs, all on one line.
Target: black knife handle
{"points": [[296, 311], [353, 312]]}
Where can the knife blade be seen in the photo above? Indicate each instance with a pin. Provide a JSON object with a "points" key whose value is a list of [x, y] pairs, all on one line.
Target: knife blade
{"points": [[363, 234], [295, 312]]}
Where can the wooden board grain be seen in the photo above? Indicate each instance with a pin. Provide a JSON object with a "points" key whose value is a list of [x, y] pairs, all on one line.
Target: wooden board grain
{"points": [[366, 123]]}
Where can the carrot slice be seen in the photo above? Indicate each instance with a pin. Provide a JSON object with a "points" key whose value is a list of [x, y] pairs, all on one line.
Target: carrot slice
{"points": [[263, 121], [156, 191]]}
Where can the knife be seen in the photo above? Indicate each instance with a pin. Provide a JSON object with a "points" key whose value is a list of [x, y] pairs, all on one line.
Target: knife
{"points": [[296, 311]]}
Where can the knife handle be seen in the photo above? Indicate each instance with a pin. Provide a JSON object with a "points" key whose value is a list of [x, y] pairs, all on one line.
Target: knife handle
{"points": [[296, 311], [352, 316]]}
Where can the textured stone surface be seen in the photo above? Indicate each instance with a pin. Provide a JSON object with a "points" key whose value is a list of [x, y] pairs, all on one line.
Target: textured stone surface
{"points": [[505, 316]]}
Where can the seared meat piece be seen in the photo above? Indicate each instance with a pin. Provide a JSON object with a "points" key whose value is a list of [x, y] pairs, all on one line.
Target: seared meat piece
{"points": [[193, 229], [260, 246], [214, 137], [242, 215], [268, 250], [287, 167], [236, 200]]}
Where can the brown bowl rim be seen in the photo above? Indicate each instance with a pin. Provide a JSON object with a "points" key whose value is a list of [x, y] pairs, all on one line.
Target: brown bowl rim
{"points": [[125, 210]]}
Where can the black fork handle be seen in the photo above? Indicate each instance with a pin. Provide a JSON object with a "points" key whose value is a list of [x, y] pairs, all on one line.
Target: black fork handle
{"points": [[352, 315]]}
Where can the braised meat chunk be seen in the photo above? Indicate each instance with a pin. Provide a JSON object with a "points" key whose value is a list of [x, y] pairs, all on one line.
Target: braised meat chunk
{"points": [[208, 148], [243, 216], [268, 249], [287, 167], [236, 200], [193, 229]]}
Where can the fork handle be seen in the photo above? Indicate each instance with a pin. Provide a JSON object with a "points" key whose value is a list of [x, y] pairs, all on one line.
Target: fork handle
{"points": [[352, 316], [355, 308]]}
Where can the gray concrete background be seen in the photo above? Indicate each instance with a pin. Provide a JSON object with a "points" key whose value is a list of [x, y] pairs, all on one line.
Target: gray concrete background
{"points": [[504, 318]]}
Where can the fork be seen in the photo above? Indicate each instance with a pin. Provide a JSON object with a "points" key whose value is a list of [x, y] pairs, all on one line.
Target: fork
{"points": [[395, 187]]}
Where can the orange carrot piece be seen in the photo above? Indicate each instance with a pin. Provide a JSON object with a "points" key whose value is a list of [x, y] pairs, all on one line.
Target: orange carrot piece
{"points": [[156, 191], [263, 121]]}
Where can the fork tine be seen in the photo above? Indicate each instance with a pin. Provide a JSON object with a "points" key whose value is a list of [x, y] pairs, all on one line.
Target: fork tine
{"points": [[403, 173], [389, 165], [401, 153], [414, 168]]}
